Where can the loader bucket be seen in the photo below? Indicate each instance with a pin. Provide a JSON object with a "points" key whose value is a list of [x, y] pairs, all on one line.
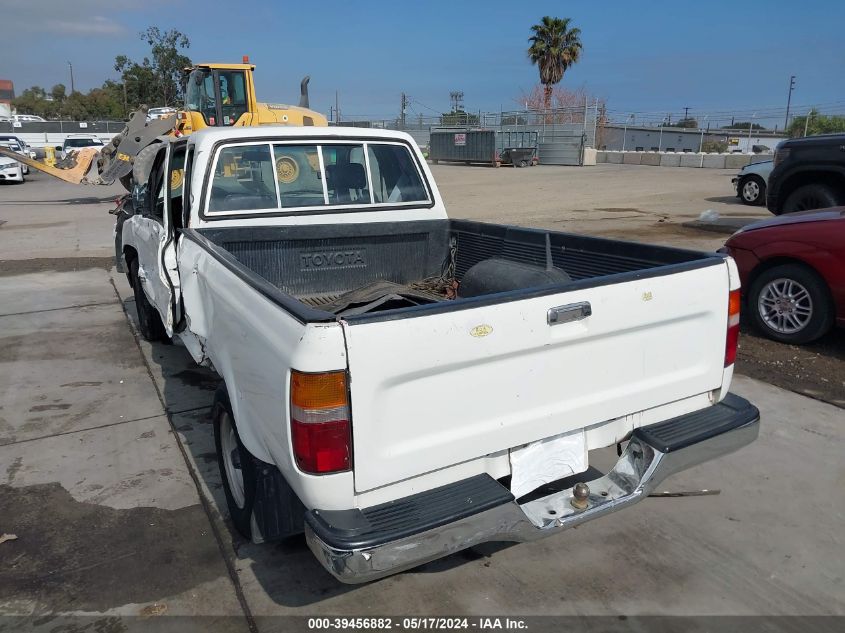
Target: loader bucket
{"points": [[77, 164]]}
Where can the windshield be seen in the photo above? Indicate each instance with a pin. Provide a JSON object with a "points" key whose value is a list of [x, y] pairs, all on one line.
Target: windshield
{"points": [[82, 142]]}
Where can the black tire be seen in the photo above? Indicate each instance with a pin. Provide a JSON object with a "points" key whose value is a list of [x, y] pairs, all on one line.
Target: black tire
{"points": [[817, 323], [143, 162], [149, 320], [241, 514], [754, 194], [815, 196]]}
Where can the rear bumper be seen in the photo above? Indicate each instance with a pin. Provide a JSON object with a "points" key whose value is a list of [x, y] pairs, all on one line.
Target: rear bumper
{"points": [[358, 546]]}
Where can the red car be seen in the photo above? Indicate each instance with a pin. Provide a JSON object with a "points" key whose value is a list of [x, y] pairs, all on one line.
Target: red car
{"points": [[793, 273]]}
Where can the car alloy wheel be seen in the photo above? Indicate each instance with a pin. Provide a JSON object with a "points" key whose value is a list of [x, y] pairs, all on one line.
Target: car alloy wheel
{"points": [[750, 191], [785, 306], [232, 459]]}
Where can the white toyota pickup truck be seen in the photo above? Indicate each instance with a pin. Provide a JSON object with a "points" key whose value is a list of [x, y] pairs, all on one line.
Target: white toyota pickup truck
{"points": [[398, 385]]}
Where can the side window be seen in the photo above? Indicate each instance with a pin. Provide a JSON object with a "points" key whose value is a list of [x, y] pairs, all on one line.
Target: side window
{"points": [[243, 179], [346, 174], [186, 187], [395, 175], [298, 172], [232, 95], [158, 193], [176, 180]]}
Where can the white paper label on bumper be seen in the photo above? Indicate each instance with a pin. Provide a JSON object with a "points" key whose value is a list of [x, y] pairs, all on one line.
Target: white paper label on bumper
{"points": [[543, 462]]}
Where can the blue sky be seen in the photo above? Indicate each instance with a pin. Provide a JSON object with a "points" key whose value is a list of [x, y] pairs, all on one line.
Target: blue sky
{"points": [[644, 57]]}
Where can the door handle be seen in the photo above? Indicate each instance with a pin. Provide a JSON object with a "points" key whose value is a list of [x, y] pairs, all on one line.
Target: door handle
{"points": [[568, 313]]}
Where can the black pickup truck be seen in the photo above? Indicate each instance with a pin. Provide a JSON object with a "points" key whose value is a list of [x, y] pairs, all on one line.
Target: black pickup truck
{"points": [[809, 173]]}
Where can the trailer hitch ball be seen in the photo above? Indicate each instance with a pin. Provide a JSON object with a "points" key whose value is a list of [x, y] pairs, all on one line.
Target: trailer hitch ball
{"points": [[580, 495]]}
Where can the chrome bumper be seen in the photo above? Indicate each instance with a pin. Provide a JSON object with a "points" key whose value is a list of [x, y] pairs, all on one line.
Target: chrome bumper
{"points": [[639, 470]]}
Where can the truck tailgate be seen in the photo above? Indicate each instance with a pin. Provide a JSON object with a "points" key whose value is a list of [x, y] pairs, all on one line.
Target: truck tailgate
{"points": [[438, 388]]}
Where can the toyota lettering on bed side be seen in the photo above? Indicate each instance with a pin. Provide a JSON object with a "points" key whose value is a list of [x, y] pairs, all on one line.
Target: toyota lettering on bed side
{"points": [[327, 260]]}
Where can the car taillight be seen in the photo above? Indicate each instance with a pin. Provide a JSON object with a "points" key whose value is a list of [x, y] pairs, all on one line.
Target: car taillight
{"points": [[320, 422], [732, 339]]}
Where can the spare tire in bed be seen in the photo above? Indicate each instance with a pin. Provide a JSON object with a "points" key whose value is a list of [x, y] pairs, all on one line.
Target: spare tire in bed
{"points": [[500, 275]]}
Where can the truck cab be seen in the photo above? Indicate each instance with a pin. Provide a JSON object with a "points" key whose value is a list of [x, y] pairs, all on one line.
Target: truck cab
{"points": [[223, 95]]}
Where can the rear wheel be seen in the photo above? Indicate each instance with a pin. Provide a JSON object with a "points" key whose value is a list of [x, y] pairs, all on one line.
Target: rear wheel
{"points": [[752, 190], [815, 196], [149, 320], [237, 465], [791, 303]]}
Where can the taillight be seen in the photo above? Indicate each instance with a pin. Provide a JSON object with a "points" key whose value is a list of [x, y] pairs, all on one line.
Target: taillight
{"points": [[319, 420], [732, 339]]}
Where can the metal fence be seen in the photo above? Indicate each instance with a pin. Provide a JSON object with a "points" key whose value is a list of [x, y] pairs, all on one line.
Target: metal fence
{"points": [[548, 124], [62, 127]]}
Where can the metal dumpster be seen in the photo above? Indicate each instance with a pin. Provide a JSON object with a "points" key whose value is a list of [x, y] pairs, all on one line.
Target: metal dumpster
{"points": [[464, 146]]}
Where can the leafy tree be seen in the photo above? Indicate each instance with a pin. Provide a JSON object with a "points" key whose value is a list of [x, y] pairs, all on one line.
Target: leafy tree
{"points": [[689, 122], [99, 103], [32, 101], [554, 48], [458, 118], [718, 147], [168, 62], [817, 124], [58, 92], [156, 80], [744, 125]]}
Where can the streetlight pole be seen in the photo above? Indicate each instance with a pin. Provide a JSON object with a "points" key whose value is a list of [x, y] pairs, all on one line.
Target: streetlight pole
{"points": [[789, 101], [72, 89], [625, 131], [750, 128], [807, 121], [701, 142], [660, 138]]}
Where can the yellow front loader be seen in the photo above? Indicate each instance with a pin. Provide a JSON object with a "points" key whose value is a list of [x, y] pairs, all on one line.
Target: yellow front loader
{"points": [[216, 95]]}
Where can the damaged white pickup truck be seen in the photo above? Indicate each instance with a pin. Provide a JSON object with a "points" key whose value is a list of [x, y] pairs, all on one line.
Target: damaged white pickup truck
{"points": [[400, 386]]}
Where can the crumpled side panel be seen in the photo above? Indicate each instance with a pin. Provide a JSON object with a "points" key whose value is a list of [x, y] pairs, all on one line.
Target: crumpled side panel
{"points": [[253, 344]]}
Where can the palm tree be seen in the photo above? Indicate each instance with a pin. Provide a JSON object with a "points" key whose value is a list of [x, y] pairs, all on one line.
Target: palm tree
{"points": [[554, 48]]}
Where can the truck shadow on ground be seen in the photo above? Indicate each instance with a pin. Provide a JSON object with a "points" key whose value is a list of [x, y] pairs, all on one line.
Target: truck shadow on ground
{"points": [[726, 200], [287, 571]]}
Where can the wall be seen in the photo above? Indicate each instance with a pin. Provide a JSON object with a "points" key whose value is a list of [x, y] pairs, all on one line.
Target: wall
{"points": [[681, 159], [43, 133], [678, 139]]}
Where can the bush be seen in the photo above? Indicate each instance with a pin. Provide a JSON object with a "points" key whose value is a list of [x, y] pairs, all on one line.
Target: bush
{"points": [[719, 147]]}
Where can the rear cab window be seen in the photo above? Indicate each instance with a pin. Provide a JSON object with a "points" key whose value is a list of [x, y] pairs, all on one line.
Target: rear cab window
{"points": [[283, 177]]}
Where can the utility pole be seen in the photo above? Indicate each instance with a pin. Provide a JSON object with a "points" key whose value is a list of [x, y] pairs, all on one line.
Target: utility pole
{"points": [[789, 101], [72, 89], [457, 99], [336, 108], [402, 111], [686, 113]]}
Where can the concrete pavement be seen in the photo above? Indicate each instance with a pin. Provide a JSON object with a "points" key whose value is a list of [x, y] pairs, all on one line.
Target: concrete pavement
{"points": [[108, 477]]}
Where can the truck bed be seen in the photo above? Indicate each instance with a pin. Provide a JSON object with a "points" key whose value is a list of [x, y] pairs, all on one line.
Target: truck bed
{"points": [[313, 269]]}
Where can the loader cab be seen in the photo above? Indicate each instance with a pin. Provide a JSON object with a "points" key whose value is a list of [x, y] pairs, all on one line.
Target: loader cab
{"points": [[218, 96]]}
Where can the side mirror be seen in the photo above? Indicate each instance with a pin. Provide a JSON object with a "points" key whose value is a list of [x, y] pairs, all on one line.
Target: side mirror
{"points": [[58, 148], [140, 196]]}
